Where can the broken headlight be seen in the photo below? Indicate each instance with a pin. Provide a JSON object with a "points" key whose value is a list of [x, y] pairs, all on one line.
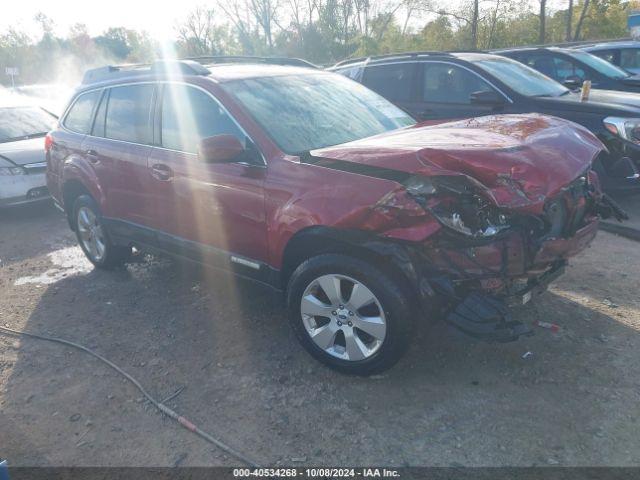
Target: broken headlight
{"points": [[459, 203]]}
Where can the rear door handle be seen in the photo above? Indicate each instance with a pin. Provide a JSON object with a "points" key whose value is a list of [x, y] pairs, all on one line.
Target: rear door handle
{"points": [[161, 172], [92, 156]]}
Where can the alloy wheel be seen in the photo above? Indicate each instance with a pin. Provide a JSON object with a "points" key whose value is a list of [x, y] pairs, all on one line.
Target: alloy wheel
{"points": [[343, 317], [91, 234]]}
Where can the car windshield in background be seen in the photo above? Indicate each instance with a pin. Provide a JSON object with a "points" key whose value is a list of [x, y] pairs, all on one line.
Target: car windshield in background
{"points": [[600, 65], [19, 123], [305, 112], [520, 78]]}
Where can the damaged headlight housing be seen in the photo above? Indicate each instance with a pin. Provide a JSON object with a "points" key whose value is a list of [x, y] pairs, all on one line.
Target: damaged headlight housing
{"points": [[458, 202], [626, 128]]}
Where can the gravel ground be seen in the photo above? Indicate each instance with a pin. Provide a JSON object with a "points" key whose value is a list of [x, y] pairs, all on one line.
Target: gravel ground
{"points": [[573, 400]]}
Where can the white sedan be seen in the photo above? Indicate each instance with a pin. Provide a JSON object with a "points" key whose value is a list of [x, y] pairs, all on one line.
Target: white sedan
{"points": [[22, 160]]}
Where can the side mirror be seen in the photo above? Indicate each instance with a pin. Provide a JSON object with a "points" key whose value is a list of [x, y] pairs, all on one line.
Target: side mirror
{"points": [[220, 149], [486, 97], [572, 82]]}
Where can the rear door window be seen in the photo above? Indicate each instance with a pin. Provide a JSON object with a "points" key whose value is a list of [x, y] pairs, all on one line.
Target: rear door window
{"points": [[567, 68], [189, 115], [80, 114], [129, 114], [393, 81], [447, 83]]}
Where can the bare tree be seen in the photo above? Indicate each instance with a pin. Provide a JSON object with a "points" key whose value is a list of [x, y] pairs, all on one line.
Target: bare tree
{"points": [[494, 22], [542, 34], [474, 24], [569, 20], [583, 12], [198, 32]]}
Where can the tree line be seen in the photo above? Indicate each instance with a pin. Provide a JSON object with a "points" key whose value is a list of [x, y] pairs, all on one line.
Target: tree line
{"points": [[321, 31]]}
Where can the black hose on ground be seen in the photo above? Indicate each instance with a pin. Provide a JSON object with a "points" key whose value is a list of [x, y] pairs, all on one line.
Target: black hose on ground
{"points": [[159, 405]]}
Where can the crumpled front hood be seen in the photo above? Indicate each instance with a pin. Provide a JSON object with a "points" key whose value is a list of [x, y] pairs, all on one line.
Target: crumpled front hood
{"points": [[23, 152], [522, 159]]}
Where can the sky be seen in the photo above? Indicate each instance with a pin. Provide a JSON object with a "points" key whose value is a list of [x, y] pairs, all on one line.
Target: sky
{"points": [[156, 17]]}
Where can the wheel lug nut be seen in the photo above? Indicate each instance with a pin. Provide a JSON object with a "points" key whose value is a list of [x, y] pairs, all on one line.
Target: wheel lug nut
{"points": [[334, 313], [350, 313], [350, 324], [340, 307], [339, 323]]}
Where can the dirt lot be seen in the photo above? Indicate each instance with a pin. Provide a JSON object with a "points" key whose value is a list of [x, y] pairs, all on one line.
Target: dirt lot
{"points": [[574, 400]]}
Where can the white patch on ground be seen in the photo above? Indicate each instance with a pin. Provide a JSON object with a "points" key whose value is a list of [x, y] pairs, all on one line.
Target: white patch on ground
{"points": [[67, 262]]}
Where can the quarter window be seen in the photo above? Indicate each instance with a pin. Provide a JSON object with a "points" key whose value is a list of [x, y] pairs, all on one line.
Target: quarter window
{"points": [[79, 117], [391, 81], [445, 83], [189, 115], [129, 112]]}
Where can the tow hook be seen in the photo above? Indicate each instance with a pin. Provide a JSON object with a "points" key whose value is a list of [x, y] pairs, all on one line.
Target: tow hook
{"points": [[486, 318]]}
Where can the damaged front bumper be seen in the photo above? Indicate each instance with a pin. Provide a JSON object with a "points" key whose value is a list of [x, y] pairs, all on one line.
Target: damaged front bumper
{"points": [[479, 282]]}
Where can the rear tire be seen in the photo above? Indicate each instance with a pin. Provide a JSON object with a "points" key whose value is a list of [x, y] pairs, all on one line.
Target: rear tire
{"points": [[93, 236], [349, 315]]}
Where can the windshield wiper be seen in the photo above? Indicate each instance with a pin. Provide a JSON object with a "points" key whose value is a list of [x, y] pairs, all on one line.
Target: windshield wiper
{"points": [[24, 137]]}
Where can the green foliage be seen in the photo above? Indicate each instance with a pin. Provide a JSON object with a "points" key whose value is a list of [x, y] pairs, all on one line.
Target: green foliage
{"points": [[321, 31]]}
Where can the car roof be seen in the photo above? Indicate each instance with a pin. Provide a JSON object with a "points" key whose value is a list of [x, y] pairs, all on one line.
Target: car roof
{"points": [[532, 49], [609, 45], [185, 70], [411, 57], [234, 71]]}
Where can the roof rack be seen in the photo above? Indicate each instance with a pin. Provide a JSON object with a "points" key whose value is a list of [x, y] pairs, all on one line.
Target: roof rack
{"points": [[212, 59], [110, 72], [391, 55]]}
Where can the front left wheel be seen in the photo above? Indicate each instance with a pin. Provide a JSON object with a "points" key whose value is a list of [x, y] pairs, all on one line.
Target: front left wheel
{"points": [[349, 314], [93, 237]]}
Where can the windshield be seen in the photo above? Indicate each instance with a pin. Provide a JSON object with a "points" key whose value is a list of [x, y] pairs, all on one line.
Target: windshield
{"points": [[18, 123], [600, 65], [520, 78], [305, 112]]}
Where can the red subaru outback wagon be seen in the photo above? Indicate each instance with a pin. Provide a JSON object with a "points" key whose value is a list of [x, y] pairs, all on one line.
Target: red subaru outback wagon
{"points": [[315, 185]]}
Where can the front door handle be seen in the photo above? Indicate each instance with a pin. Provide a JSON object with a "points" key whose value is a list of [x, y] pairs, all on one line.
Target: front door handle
{"points": [[161, 172], [92, 156]]}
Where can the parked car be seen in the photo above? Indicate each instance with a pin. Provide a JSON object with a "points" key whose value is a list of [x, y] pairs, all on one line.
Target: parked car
{"points": [[52, 97], [22, 160], [572, 67], [624, 54], [438, 86], [317, 186]]}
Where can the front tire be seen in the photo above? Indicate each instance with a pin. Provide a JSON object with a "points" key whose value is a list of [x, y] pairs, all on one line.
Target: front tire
{"points": [[93, 236], [349, 315]]}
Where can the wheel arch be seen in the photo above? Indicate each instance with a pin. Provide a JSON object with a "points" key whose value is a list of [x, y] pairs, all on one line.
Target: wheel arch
{"points": [[391, 257], [71, 190]]}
